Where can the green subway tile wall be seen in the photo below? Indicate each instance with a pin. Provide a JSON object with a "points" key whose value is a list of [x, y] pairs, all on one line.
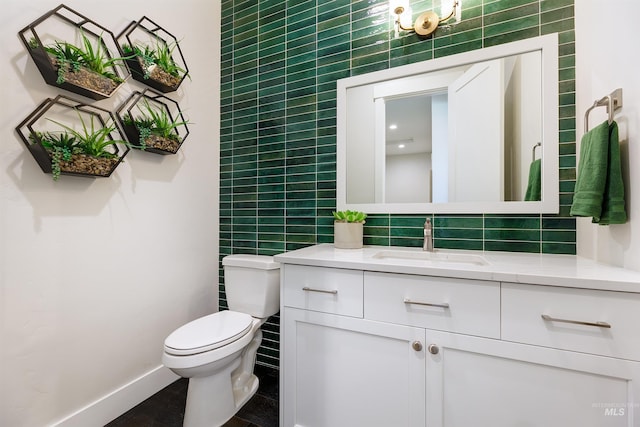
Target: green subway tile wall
{"points": [[280, 63]]}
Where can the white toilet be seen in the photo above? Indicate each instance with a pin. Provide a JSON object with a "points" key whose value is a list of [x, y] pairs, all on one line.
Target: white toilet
{"points": [[217, 352]]}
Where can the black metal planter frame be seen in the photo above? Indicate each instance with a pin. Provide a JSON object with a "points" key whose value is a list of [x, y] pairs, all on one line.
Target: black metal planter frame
{"points": [[131, 109], [139, 33], [31, 135], [36, 48]]}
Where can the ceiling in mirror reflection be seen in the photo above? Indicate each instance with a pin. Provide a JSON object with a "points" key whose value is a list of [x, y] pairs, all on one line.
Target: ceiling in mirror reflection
{"points": [[408, 132]]}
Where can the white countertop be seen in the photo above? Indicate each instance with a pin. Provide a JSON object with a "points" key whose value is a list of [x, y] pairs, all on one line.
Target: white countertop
{"points": [[540, 269]]}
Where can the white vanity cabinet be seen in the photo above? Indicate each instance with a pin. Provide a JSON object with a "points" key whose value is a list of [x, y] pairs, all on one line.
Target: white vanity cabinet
{"points": [[339, 369], [382, 348], [476, 378]]}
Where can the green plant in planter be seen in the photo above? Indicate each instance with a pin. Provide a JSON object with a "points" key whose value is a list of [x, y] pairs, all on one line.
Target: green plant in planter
{"points": [[65, 54], [160, 55], [348, 229], [94, 58], [349, 216], [62, 147], [146, 54], [33, 43], [97, 58], [90, 150], [154, 121], [164, 58], [143, 125], [91, 141]]}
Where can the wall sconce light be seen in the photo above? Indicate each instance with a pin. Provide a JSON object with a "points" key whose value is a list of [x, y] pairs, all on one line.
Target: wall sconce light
{"points": [[426, 23]]}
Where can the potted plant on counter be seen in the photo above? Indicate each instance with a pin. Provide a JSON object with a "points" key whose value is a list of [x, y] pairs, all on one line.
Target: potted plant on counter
{"points": [[348, 229]]}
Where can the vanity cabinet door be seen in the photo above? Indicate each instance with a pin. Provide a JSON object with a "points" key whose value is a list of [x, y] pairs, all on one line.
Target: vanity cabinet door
{"points": [[475, 381], [342, 371]]}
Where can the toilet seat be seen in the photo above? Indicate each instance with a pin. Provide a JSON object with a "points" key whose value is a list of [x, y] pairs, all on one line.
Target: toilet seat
{"points": [[208, 333]]}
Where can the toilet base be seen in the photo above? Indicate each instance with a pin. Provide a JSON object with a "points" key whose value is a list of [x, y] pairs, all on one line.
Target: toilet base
{"points": [[242, 395], [207, 406], [215, 397]]}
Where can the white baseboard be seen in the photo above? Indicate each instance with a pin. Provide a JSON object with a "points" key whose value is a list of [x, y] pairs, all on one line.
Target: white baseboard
{"points": [[119, 401]]}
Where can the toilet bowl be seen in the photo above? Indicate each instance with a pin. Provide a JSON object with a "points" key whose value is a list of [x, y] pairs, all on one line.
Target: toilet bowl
{"points": [[217, 352]]}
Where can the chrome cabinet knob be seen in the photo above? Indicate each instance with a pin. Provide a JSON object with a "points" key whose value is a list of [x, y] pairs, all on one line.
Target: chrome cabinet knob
{"points": [[417, 345], [433, 349]]}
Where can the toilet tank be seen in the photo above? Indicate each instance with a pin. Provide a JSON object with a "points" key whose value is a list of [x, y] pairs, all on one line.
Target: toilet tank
{"points": [[252, 284]]}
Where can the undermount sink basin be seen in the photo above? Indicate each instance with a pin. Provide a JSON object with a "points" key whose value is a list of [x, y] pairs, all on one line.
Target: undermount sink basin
{"points": [[433, 257]]}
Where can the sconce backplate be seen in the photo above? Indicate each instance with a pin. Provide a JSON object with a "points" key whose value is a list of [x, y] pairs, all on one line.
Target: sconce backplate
{"points": [[426, 23]]}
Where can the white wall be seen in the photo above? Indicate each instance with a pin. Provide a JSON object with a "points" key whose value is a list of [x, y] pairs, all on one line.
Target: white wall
{"points": [[94, 274], [523, 112], [605, 60], [361, 158], [408, 178], [440, 149]]}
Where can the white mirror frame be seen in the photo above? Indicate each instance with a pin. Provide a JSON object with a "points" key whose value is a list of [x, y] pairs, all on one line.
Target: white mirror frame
{"points": [[548, 45]]}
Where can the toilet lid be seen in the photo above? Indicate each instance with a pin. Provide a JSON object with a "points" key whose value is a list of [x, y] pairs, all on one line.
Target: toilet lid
{"points": [[208, 333]]}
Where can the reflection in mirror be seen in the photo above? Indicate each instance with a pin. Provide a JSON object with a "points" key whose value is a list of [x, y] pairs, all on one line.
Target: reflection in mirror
{"points": [[486, 160], [458, 137], [408, 149]]}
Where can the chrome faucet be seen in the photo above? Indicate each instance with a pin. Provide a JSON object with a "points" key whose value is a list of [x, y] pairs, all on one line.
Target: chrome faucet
{"points": [[428, 236]]}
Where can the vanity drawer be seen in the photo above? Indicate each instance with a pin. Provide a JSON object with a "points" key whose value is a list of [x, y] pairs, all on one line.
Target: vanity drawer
{"points": [[329, 290], [456, 305], [590, 321]]}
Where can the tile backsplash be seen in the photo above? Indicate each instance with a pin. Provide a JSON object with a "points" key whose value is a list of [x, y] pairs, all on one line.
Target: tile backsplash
{"points": [[280, 62]]}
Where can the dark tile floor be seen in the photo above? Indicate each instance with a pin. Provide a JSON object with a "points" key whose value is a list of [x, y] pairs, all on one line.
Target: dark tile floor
{"points": [[166, 408]]}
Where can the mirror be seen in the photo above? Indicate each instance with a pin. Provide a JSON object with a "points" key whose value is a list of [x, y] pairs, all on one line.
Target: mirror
{"points": [[459, 134]]}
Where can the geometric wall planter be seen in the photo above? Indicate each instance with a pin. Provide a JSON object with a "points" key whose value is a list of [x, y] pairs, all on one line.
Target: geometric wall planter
{"points": [[153, 55], [74, 53], [69, 137], [153, 122]]}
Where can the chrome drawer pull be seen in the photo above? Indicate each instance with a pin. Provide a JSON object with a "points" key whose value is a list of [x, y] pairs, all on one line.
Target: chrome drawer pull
{"points": [[429, 304], [334, 292], [576, 322]]}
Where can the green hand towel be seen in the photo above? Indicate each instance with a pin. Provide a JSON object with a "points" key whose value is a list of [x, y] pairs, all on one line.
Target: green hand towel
{"points": [[592, 173], [534, 186], [613, 199], [599, 176]]}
